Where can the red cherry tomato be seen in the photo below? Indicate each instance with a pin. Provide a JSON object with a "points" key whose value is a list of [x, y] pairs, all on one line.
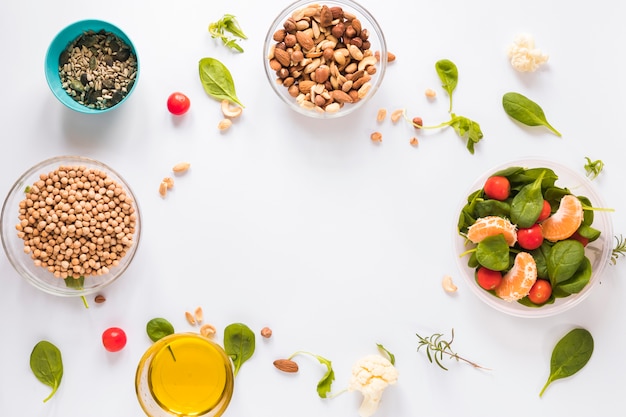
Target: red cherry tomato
{"points": [[488, 279], [178, 103], [540, 292], [580, 238], [530, 238], [545, 211], [114, 339], [497, 187]]}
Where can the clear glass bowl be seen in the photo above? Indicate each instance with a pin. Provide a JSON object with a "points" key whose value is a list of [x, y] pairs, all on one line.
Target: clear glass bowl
{"points": [[377, 46], [40, 276], [598, 251]]}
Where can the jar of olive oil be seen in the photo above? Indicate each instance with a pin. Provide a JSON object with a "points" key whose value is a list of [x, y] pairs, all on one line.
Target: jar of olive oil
{"points": [[184, 374]]}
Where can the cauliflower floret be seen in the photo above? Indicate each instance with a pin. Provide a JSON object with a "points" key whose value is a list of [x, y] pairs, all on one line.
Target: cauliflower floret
{"points": [[371, 375], [523, 54]]}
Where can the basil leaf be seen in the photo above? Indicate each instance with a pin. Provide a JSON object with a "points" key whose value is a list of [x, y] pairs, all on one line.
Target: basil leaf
{"points": [[570, 355], [449, 76], [217, 80], [239, 344], [564, 259], [525, 111], [493, 253], [47, 365], [158, 328], [527, 204]]}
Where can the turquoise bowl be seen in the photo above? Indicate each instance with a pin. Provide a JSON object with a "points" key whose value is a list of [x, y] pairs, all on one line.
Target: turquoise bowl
{"points": [[61, 42]]}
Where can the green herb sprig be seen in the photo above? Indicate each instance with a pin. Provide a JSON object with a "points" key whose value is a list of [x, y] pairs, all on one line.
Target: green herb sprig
{"points": [[228, 24], [47, 365], [593, 168], [464, 127], [437, 348], [619, 249]]}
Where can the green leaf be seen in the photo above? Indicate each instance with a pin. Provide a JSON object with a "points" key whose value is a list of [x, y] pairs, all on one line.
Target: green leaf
{"points": [[47, 365], [564, 260], [449, 76], [466, 129], [228, 23], [76, 283], [525, 111], [392, 357], [527, 204], [570, 355], [217, 80], [158, 328], [325, 384], [493, 253], [239, 344]]}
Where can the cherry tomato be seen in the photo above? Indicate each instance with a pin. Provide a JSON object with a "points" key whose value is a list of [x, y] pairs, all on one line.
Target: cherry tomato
{"points": [[540, 292], [530, 238], [580, 238], [545, 211], [178, 103], [488, 279], [114, 339], [497, 187]]}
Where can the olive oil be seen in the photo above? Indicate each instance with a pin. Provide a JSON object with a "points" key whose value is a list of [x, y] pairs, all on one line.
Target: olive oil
{"points": [[190, 376]]}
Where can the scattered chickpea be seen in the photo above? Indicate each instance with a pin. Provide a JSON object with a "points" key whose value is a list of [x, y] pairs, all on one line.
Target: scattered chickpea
{"points": [[376, 137], [266, 332], [382, 113], [430, 93]]}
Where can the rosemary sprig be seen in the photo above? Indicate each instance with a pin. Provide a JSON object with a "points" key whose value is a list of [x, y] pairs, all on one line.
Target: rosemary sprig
{"points": [[437, 348], [619, 249]]}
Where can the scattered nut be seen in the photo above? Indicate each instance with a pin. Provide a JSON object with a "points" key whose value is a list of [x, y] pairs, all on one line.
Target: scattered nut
{"points": [[99, 299], [396, 115], [417, 122], [286, 365], [163, 188], [414, 141], [230, 111], [376, 137], [198, 315], [430, 93], [208, 330], [266, 332], [447, 284], [382, 113], [181, 167], [390, 57], [190, 318], [169, 181], [224, 124]]}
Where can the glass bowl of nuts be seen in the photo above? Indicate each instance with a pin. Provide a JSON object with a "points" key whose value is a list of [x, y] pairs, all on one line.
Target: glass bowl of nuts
{"points": [[91, 66], [325, 59], [70, 225]]}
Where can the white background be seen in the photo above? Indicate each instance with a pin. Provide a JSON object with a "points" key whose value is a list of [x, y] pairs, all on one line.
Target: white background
{"points": [[308, 227]]}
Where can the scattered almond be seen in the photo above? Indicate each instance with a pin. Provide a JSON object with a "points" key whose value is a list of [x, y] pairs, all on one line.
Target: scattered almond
{"points": [[382, 113], [286, 365], [208, 330], [266, 332], [181, 168], [376, 137], [190, 318]]}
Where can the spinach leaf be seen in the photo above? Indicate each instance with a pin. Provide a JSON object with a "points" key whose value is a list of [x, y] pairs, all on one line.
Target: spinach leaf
{"points": [[449, 75], [577, 282], [217, 80], [541, 255], [47, 365], [239, 344], [158, 328], [491, 207], [466, 129], [570, 355], [525, 111], [493, 253], [564, 259], [527, 204]]}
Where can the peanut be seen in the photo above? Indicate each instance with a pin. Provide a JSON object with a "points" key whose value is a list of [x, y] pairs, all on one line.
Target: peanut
{"points": [[163, 189], [224, 124], [376, 137], [198, 315], [190, 318], [180, 168], [413, 141], [396, 115], [169, 181], [382, 113], [430, 93]]}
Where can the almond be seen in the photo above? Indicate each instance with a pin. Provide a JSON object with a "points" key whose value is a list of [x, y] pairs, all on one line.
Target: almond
{"points": [[282, 57], [286, 365], [340, 96], [305, 41], [305, 86]]}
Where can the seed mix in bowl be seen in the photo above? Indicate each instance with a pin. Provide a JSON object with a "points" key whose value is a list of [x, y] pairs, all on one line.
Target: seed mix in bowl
{"points": [[322, 55], [76, 221], [98, 69]]}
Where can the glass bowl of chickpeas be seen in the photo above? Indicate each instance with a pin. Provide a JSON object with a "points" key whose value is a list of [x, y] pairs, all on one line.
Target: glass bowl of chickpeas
{"points": [[325, 59], [70, 225]]}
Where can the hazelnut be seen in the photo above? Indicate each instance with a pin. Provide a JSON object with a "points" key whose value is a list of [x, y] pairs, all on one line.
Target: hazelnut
{"points": [[266, 332]]}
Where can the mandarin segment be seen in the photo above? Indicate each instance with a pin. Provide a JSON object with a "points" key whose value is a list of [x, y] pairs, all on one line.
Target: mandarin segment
{"points": [[565, 221], [492, 226], [518, 281]]}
